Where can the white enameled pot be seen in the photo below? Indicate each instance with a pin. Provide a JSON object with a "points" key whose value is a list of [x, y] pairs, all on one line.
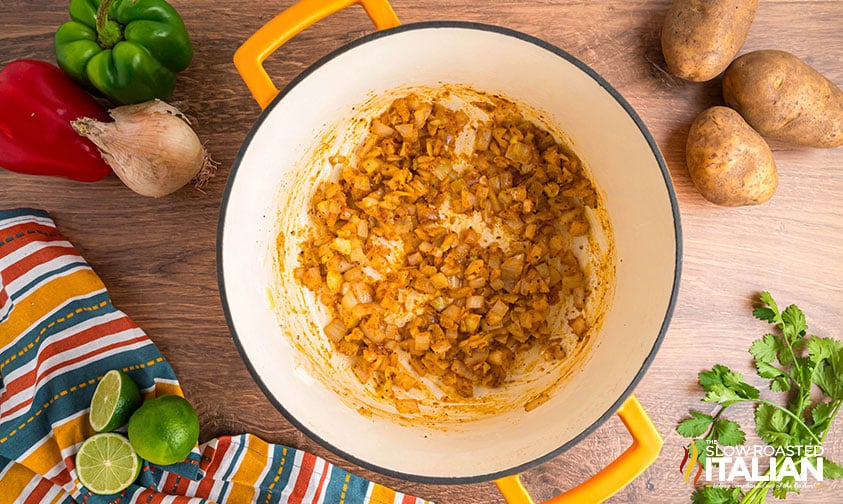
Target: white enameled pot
{"points": [[285, 155]]}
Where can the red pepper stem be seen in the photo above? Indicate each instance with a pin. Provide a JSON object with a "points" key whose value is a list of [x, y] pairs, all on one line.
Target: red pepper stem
{"points": [[108, 31]]}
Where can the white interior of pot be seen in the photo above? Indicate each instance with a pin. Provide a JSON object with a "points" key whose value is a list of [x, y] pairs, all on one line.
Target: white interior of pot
{"points": [[601, 132]]}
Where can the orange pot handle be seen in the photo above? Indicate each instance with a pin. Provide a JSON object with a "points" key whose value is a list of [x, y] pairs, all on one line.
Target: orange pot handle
{"points": [[249, 57], [645, 448]]}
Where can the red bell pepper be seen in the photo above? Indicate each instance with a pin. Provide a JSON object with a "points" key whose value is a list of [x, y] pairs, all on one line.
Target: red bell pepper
{"points": [[37, 103]]}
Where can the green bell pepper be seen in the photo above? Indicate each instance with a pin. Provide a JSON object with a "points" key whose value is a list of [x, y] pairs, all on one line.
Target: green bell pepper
{"points": [[129, 50]]}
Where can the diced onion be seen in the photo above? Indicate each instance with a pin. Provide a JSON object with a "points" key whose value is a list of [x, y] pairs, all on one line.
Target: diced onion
{"points": [[335, 330], [474, 302], [446, 245], [381, 129]]}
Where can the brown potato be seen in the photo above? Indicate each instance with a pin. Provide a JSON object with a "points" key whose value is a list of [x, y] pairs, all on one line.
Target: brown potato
{"points": [[784, 98], [729, 162], [701, 37]]}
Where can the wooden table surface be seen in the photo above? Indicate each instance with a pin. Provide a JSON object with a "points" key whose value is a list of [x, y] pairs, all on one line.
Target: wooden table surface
{"points": [[157, 257]]}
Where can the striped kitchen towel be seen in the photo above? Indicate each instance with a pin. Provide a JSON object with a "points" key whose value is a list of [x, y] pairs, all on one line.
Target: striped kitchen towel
{"points": [[59, 333]]}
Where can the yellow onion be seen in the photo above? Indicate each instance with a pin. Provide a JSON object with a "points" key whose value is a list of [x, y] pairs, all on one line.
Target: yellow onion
{"points": [[151, 146]]}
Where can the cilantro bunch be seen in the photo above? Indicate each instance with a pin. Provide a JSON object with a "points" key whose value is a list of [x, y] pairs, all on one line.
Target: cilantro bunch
{"points": [[806, 370]]}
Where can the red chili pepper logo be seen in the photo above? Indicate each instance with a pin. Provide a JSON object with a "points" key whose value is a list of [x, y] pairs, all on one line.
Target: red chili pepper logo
{"points": [[689, 461]]}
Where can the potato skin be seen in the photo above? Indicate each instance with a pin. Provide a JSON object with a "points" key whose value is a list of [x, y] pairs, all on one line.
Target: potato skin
{"points": [[701, 37], [784, 98], [729, 162]]}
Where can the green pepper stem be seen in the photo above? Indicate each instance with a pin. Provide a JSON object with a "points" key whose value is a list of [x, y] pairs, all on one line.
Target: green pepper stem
{"points": [[108, 31]]}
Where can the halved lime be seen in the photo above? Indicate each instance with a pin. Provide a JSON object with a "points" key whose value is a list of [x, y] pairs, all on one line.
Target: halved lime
{"points": [[115, 399], [107, 464]]}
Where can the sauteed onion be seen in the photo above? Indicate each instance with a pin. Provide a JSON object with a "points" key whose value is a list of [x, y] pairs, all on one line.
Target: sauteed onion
{"points": [[447, 247]]}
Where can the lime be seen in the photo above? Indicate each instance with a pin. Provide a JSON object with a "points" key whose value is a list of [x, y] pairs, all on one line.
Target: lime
{"points": [[107, 464], [164, 430], [115, 399]]}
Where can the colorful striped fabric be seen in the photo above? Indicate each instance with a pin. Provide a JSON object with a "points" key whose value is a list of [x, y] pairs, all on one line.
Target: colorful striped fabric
{"points": [[59, 333]]}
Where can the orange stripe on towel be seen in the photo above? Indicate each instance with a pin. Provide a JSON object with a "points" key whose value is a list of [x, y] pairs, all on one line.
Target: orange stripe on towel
{"points": [[46, 299], [13, 482], [381, 495], [252, 464]]}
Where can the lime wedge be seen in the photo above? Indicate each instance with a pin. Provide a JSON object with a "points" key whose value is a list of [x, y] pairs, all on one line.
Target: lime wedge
{"points": [[107, 464], [115, 399]]}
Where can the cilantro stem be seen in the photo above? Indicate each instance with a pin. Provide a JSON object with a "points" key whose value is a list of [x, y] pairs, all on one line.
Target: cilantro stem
{"points": [[797, 377], [758, 493], [832, 416]]}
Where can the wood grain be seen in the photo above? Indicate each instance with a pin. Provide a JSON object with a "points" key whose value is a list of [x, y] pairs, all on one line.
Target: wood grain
{"points": [[157, 257]]}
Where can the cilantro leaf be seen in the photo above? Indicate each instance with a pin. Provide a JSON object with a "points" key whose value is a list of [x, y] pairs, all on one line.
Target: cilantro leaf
{"points": [[726, 387], [831, 470], [717, 495], [729, 433], [722, 394], [820, 349], [695, 426], [772, 425], [713, 377], [743, 389], [828, 375], [766, 351], [828, 381], [765, 314], [826, 354], [769, 304], [785, 486], [793, 325], [780, 384], [821, 414]]}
